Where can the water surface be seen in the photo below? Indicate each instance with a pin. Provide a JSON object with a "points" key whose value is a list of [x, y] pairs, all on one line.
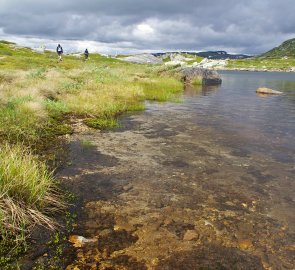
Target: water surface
{"points": [[203, 184]]}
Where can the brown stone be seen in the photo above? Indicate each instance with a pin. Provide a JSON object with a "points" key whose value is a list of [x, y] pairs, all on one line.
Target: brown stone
{"points": [[91, 224], [245, 244], [190, 235]]}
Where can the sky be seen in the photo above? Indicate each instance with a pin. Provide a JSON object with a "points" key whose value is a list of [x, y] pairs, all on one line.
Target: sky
{"points": [[136, 26]]}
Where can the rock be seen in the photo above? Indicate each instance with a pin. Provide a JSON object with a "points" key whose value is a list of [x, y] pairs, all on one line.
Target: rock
{"points": [[245, 244], [91, 224], [190, 235], [128, 187], [210, 63], [144, 58], [78, 55], [80, 241], [208, 77], [175, 63], [268, 91]]}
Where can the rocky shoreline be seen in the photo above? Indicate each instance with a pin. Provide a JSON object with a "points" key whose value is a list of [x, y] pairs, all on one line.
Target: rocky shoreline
{"points": [[184, 62], [255, 69]]}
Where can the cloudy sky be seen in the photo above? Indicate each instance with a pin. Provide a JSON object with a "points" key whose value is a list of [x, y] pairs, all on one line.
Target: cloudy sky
{"points": [[131, 26]]}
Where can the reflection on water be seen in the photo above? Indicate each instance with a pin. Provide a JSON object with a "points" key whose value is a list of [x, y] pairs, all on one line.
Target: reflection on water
{"points": [[200, 90], [262, 123]]}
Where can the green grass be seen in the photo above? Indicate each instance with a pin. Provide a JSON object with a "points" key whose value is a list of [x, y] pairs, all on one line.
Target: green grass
{"points": [[26, 189], [262, 63], [20, 119], [102, 124], [161, 89]]}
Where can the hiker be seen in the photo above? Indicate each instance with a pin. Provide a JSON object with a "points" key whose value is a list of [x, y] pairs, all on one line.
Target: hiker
{"points": [[86, 54], [59, 52]]}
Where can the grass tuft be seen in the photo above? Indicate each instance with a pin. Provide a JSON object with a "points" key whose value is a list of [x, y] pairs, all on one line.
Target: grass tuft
{"points": [[28, 192], [161, 89], [102, 123]]}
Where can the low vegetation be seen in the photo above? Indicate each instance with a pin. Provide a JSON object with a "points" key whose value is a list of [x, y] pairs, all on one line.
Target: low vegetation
{"points": [[39, 98], [262, 63]]}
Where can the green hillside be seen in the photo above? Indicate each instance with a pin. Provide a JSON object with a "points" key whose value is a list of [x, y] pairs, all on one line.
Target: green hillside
{"points": [[287, 48]]}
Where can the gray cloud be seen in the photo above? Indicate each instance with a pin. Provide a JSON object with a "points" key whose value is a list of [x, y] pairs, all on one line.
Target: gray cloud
{"points": [[244, 26]]}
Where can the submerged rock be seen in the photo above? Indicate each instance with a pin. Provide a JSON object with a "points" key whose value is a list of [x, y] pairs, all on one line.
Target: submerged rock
{"points": [[190, 235], [268, 91], [245, 244], [80, 241], [206, 76]]}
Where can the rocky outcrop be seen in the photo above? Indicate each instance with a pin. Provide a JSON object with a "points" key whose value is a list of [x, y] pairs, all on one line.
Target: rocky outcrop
{"points": [[208, 63], [268, 91], [206, 76], [175, 63], [144, 58]]}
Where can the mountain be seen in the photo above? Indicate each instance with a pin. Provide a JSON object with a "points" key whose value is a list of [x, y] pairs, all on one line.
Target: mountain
{"points": [[287, 48], [210, 54], [221, 55]]}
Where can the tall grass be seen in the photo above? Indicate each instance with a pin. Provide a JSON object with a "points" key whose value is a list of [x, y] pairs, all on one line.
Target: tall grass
{"points": [[161, 89], [28, 192], [20, 119]]}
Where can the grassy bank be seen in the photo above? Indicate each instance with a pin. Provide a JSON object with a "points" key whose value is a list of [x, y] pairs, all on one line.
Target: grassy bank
{"points": [[262, 64], [39, 98]]}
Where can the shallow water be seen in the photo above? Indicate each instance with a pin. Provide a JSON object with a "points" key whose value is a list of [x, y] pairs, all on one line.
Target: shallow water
{"points": [[265, 124], [208, 182]]}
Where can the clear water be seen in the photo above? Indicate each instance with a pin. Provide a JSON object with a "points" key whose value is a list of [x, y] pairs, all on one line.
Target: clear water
{"points": [[217, 168], [258, 123]]}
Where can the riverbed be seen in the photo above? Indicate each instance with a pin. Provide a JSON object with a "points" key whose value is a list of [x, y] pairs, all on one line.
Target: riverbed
{"points": [[205, 183]]}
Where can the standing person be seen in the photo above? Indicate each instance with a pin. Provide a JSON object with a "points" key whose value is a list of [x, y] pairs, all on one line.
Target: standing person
{"points": [[59, 52], [86, 54]]}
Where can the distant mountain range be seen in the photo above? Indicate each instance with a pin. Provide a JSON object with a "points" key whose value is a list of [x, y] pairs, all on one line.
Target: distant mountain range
{"points": [[287, 48], [210, 54]]}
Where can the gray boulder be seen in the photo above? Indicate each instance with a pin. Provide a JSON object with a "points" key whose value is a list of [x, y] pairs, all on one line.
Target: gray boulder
{"points": [[144, 58], [204, 76]]}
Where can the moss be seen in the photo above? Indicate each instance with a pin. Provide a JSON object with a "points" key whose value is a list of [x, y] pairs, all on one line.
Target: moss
{"points": [[56, 129], [87, 144], [102, 123], [10, 250]]}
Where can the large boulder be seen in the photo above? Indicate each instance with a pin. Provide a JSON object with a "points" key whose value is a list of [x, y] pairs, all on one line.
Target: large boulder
{"points": [[268, 91], [144, 58], [205, 76]]}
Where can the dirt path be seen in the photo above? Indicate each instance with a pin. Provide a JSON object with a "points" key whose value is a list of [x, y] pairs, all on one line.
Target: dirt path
{"points": [[165, 194]]}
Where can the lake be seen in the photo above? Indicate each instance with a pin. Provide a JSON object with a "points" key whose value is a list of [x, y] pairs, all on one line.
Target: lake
{"points": [[206, 183]]}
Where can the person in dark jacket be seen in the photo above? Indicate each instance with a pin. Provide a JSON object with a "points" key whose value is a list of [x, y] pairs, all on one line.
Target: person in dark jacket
{"points": [[59, 52], [86, 54]]}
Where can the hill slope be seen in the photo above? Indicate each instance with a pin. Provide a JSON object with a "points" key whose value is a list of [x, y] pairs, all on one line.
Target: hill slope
{"points": [[287, 48]]}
